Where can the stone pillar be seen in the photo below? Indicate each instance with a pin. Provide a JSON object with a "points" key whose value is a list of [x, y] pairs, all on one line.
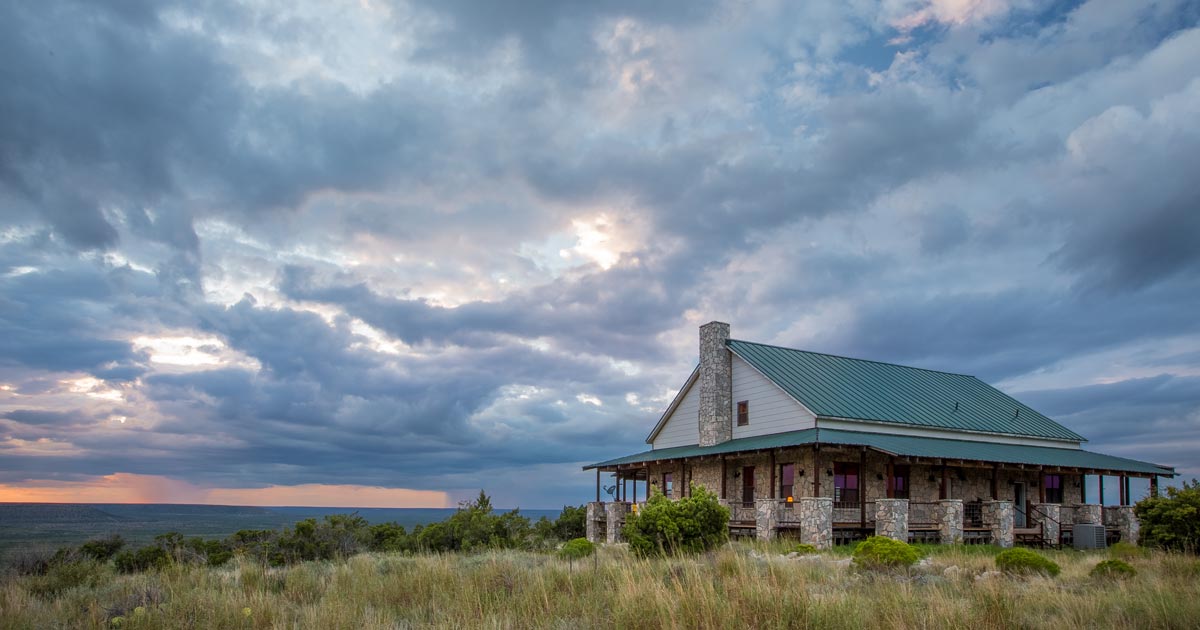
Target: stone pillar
{"points": [[816, 521], [1089, 513], [595, 514], [716, 385], [765, 518], [1049, 515], [615, 511], [1000, 517], [891, 518], [950, 521], [1124, 520]]}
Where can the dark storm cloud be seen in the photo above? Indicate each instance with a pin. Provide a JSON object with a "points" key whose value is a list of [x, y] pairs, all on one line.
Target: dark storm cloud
{"points": [[150, 175]]}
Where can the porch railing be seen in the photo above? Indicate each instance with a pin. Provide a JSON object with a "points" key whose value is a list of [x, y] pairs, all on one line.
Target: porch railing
{"points": [[741, 512], [850, 513], [786, 514], [973, 514]]}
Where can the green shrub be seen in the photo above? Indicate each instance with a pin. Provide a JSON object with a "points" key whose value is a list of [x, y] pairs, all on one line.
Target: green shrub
{"points": [[1126, 551], [1172, 521], [881, 552], [102, 549], [144, 559], [1024, 561], [804, 549], [688, 525], [571, 522], [61, 577], [576, 549], [1113, 569]]}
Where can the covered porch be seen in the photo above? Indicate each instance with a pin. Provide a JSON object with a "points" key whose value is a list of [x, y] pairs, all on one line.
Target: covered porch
{"points": [[842, 486]]}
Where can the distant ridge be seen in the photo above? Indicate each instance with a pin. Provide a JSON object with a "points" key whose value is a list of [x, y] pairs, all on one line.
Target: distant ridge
{"points": [[16, 514]]}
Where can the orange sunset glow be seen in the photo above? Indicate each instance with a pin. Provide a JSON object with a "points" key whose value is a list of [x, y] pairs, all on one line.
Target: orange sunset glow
{"points": [[131, 488]]}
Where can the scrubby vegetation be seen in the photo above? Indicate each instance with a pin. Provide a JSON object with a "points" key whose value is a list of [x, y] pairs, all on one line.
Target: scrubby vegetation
{"points": [[689, 525], [1024, 561], [1114, 569], [738, 585], [1172, 521], [881, 552]]}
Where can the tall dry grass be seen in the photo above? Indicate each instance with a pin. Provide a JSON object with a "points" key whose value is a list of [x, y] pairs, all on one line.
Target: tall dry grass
{"points": [[740, 586]]}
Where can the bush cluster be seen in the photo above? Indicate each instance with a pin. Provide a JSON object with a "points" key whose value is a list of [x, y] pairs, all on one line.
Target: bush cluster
{"points": [[474, 526], [692, 524], [881, 552], [1172, 521], [1023, 562], [1113, 569]]}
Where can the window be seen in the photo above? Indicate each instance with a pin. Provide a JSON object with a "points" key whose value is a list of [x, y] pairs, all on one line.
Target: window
{"points": [[1054, 490], [743, 413], [845, 483], [900, 482], [668, 485], [787, 479]]}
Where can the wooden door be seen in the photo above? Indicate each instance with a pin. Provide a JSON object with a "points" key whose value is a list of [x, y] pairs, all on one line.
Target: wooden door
{"points": [[748, 485]]}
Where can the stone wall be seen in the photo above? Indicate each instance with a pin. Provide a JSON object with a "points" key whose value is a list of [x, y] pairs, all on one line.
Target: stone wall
{"points": [[816, 521], [998, 516], [1088, 513], [891, 518], [615, 512], [716, 385], [765, 518], [950, 521], [1124, 520], [1049, 516], [595, 514]]}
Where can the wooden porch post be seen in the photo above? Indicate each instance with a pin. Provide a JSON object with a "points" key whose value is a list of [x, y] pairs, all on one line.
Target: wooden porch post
{"points": [[597, 485], [1082, 488], [995, 482], [1042, 486], [862, 488], [943, 490], [1101, 489], [635, 484], [1154, 486], [891, 478], [1124, 492], [772, 494], [723, 471], [817, 470]]}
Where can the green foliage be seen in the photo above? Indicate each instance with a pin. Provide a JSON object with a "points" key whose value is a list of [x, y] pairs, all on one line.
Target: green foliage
{"points": [[571, 523], [102, 549], [1127, 551], [1113, 569], [1172, 521], [688, 525], [576, 549], [474, 527], [388, 537], [881, 552], [63, 576], [144, 559], [804, 549], [1023, 561]]}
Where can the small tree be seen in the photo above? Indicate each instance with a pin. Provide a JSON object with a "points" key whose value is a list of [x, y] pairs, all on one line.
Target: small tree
{"points": [[881, 552], [688, 525], [1173, 521], [576, 549]]}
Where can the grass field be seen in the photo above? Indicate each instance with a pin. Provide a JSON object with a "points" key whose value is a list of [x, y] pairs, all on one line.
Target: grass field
{"points": [[740, 586]]}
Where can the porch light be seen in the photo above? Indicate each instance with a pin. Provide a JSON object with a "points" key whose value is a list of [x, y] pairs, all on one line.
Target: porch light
{"points": [[789, 499]]}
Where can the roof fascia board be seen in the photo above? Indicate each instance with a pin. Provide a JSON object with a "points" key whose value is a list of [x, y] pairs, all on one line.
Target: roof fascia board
{"points": [[662, 421]]}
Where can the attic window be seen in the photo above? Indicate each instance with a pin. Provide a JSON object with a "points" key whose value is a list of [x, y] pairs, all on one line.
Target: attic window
{"points": [[743, 413]]}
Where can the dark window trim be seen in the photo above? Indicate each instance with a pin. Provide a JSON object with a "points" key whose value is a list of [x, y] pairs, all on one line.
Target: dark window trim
{"points": [[743, 413]]}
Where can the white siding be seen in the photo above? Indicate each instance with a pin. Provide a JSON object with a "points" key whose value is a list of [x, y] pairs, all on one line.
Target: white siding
{"points": [[949, 434], [683, 425], [771, 410]]}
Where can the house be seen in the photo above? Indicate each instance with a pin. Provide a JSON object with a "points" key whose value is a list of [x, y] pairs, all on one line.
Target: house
{"points": [[832, 449]]}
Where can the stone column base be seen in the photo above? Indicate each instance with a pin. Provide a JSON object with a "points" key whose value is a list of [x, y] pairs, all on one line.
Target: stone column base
{"points": [[891, 518], [615, 512], [1000, 517], [816, 521], [950, 521], [766, 519]]}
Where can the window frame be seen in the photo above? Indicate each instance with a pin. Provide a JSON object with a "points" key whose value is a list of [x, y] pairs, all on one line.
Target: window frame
{"points": [[1054, 491], [787, 489], [843, 472], [668, 486], [743, 413]]}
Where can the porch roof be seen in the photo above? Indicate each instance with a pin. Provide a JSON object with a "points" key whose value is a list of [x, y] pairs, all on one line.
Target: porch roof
{"points": [[905, 446]]}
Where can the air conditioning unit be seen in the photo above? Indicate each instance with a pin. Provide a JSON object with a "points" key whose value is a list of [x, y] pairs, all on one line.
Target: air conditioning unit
{"points": [[1088, 536]]}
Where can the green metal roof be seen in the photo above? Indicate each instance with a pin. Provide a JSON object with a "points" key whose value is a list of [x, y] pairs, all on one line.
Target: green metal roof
{"points": [[906, 446], [838, 387]]}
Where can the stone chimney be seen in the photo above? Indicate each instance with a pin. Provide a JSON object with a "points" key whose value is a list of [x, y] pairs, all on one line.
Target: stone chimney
{"points": [[716, 385]]}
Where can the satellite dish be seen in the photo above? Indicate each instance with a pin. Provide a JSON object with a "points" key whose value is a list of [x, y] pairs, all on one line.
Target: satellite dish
{"points": [[610, 490]]}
